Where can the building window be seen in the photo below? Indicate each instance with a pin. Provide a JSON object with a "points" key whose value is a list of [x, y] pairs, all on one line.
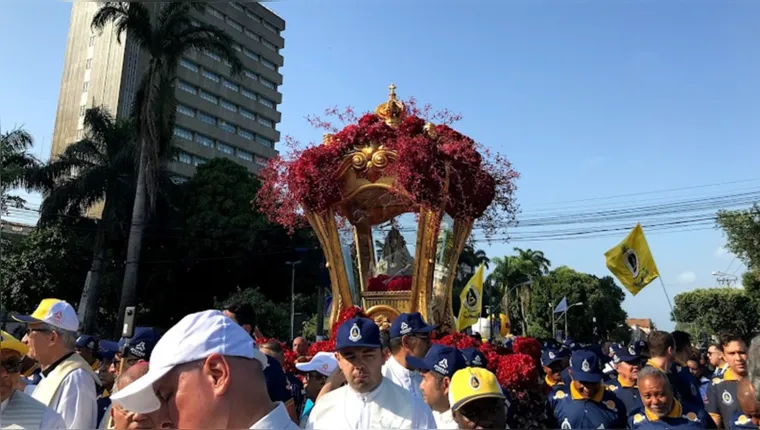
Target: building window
{"points": [[88, 64], [203, 140], [238, 6], [266, 122], [231, 85], [234, 24], [268, 25], [212, 55], [199, 161], [244, 155], [209, 97], [245, 134], [185, 158], [252, 15], [183, 133], [189, 65], [92, 41], [252, 35], [267, 83], [224, 125], [85, 86], [250, 75], [269, 45], [187, 87], [237, 47], [264, 141], [232, 107], [208, 119], [178, 180], [252, 55], [248, 114], [227, 149], [185, 110], [268, 64], [82, 110], [261, 161], [214, 12], [248, 93], [210, 75], [266, 102]]}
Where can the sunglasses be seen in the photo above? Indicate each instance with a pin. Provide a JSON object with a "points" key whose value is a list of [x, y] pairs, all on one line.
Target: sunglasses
{"points": [[11, 365]]}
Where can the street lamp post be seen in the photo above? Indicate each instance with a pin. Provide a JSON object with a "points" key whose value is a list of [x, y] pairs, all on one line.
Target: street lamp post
{"points": [[293, 265], [566, 310]]}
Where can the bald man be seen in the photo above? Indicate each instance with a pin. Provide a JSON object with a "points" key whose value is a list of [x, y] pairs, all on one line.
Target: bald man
{"points": [[121, 418], [749, 415]]}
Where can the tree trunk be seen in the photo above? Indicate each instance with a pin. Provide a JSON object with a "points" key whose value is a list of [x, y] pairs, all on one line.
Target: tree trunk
{"points": [[134, 245], [88, 303]]}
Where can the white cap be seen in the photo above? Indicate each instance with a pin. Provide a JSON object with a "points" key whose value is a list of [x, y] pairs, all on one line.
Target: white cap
{"points": [[194, 337], [54, 312], [324, 363]]}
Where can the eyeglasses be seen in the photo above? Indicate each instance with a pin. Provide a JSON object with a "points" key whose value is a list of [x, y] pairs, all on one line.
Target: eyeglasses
{"points": [[11, 365], [29, 330]]}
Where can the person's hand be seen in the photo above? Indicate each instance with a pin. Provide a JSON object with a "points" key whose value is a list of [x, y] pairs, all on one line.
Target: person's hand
{"points": [[257, 333]]}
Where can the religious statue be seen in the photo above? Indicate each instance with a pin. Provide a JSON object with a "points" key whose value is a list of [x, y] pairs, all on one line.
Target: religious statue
{"points": [[396, 259]]}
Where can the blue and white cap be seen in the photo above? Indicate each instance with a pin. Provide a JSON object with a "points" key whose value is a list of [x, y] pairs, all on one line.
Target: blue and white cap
{"points": [[358, 332], [441, 359], [585, 366]]}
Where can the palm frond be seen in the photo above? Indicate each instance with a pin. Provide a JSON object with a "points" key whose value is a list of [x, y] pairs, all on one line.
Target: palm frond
{"points": [[205, 37], [132, 17]]}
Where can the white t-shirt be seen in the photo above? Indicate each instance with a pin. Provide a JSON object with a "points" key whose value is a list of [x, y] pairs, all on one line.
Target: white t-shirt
{"points": [[50, 418], [278, 419], [407, 379]]}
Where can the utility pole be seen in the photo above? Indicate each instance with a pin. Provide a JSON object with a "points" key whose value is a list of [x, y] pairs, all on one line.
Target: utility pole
{"points": [[725, 279], [293, 265], [554, 328]]}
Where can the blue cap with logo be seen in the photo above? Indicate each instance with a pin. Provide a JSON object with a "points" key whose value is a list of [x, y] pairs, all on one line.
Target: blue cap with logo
{"points": [[586, 367], [625, 354], [107, 349], [475, 358], [142, 343], [552, 344], [358, 332], [442, 359], [551, 356], [410, 323], [87, 341], [571, 344]]}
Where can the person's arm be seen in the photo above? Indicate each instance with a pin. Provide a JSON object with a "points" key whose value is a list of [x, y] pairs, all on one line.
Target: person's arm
{"points": [[52, 420], [77, 401], [423, 416], [712, 405], [334, 381]]}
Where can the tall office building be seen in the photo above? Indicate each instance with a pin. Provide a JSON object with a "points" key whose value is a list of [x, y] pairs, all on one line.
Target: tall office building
{"points": [[218, 115]]}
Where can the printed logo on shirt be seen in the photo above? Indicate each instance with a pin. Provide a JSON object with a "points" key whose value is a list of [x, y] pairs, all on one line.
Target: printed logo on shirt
{"points": [[405, 329], [743, 419], [566, 424], [354, 335], [727, 398], [691, 416], [610, 405]]}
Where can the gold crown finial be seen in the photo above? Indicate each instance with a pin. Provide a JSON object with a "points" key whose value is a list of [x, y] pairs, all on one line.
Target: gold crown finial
{"points": [[393, 111]]}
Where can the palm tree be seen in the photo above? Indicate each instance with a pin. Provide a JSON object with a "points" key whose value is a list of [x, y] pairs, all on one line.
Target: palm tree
{"points": [[535, 261], [16, 166], [164, 36], [101, 168]]}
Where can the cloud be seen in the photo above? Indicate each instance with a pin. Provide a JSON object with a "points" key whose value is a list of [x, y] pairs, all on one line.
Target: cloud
{"points": [[687, 278], [722, 253]]}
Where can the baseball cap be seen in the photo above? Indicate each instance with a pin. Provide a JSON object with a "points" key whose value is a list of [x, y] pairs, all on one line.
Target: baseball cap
{"points": [[358, 332], [622, 353], [9, 342], [549, 356], [475, 358], [107, 349], [194, 337], [585, 366], [442, 359], [142, 343], [54, 312], [473, 383], [410, 323], [323, 363], [87, 341]]}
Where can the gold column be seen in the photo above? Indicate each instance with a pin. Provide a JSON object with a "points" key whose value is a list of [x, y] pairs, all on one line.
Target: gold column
{"points": [[365, 253], [442, 312], [424, 260]]}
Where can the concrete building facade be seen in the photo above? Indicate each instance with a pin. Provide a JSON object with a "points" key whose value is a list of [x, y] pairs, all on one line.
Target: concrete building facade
{"points": [[218, 115]]}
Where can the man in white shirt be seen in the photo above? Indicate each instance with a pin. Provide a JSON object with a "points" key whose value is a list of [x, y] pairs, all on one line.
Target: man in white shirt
{"points": [[368, 401], [410, 337], [68, 384], [317, 370], [438, 367], [17, 409], [205, 373]]}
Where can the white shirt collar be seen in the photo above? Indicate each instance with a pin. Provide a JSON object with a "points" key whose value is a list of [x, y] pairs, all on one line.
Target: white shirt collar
{"points": [[365, 397], [278, 418]]}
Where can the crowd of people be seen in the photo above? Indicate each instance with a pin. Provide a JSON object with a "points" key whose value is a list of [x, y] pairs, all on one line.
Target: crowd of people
{"points": [[209, 371]]}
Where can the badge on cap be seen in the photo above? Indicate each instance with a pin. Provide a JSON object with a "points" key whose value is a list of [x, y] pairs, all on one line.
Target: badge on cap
{"points": [[474, 382], [585, 366], [58, 317], [405, 329], [477, 361], [631, 350], [551, 355], [91, 345], [442, 366], [354, 335]]}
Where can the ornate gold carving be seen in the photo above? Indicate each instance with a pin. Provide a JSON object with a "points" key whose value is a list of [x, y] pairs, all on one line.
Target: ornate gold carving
{"points": [[327, 138], [370, 159], [440, 306], [393, 112], [429, 130], [422, 278], [383, 314]]}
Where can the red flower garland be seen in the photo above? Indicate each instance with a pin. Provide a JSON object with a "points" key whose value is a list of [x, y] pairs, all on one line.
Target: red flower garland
{"points": [[345, 315], [517, 372], [528, 346], [385, 283], [459, 341], [321, 346]]}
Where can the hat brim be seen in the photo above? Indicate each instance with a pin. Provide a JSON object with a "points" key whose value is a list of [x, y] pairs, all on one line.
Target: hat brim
{"points": [[469, 399], [551, 361], [628, 358], [27, 319], [425, 330], [591, 378], [418, 364], [358, 345], [139, 396]]}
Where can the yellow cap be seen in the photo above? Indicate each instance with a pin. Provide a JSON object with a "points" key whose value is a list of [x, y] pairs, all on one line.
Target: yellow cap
{"points": [[9, 342], [55, 312], [472, 383]]}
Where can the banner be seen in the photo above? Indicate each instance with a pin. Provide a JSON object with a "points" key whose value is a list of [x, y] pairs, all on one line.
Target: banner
{"points": [[471, 300], [631, 261]]}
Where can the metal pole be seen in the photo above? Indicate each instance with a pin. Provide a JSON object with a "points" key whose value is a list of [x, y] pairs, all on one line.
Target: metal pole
{"points": [[554, 329], [293, 264], [566, 337]]}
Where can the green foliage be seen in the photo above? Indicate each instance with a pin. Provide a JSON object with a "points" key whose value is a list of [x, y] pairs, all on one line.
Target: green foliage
{"points": [[742, 231], [601, 298], [16, 167], [309, 328], [716, 310]]}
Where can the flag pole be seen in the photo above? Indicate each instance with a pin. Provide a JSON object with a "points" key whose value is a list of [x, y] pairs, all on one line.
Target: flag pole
{"points": [[666, 293]]}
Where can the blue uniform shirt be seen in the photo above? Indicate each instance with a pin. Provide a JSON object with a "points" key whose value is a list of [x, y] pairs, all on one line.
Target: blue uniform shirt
{"points": [[683, 416], [685, 385], [722, 400], [628, 394], [571, 411], [741, 421]]}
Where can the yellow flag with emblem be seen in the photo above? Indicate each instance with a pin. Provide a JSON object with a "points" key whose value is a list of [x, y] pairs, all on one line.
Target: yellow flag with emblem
{"points": [[631, 261], [471, 300]]}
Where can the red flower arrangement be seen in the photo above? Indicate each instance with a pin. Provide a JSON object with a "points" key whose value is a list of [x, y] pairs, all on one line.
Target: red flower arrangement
{"points": [[346, 314], [321, 346], [424, 156], [290, 356], [386, 283], [517, 372], [459, 341], [528, 346]]}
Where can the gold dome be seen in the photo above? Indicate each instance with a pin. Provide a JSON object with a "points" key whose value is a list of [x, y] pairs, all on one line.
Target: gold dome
{"points": [[393, 111]]}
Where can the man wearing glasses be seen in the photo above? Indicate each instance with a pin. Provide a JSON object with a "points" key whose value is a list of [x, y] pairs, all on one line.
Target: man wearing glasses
{"points": [[317, 370], [410, 336], [68, 385], [17, 409]]}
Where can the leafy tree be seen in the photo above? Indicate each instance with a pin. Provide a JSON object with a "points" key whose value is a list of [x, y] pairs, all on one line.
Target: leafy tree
{"points": [[716, 310], [16, 165], [98, 170], [164, 34], [742, 231]]}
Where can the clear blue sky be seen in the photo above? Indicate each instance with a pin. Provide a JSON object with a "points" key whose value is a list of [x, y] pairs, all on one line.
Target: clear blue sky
{"points": [[587, 99]]}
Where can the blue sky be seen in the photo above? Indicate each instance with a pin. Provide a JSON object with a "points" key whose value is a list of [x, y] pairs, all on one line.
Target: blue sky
{"points": [[587, 99]]}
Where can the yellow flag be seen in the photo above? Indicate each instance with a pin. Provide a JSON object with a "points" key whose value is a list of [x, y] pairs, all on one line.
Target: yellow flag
{"points": [[471, 301], [631, 261]]}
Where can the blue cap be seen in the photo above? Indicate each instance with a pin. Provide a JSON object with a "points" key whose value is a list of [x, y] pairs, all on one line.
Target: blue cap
{"points": [[107, 349], [442, 359], [475, 358], [586, 367], [142, 343], [571, 344], [358, 332], [597, 349], [552, 344], [622, 353], [411, 323], [87, 341], [549, 356]]}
